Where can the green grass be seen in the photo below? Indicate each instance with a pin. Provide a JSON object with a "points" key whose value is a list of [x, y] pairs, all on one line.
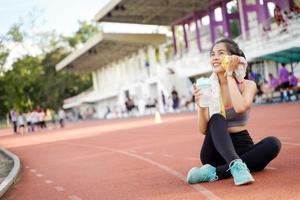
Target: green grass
{"points": [[3, 124]]}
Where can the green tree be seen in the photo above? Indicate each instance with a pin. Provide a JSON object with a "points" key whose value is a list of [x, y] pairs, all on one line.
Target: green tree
{"points": [[33, 80], [84, 33], [4, 53], [15, 33], [63, 84], [22, 84]]}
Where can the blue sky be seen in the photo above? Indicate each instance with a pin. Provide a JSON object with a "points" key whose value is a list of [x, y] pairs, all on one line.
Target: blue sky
{"points": [[60, 15]]}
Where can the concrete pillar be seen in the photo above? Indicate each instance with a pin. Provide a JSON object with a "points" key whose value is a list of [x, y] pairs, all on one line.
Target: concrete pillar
{"points": [[129, 70], [262, 11], [152, 60], [143, 64], [144, 60], [95, 80], [197, 34], [243, 18], [225, 21], [136, 66], [174, 40], [151, 54], [112, 70], [123, 71], [162, 55], [212, 23], [185, 37]]}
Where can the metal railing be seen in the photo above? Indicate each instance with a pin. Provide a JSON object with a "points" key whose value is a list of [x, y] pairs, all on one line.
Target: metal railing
{"points": [[260, 41]]}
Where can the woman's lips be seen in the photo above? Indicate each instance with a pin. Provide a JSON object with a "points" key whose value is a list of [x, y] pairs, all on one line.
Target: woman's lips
{"points": [[217, 64]]}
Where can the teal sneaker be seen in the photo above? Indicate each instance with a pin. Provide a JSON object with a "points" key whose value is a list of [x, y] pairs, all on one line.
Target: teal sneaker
{"points": [[240, 172], [206, 173]]}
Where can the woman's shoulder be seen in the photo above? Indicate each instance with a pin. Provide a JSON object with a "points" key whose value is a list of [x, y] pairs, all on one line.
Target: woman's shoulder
{"points": [[249, 84]]}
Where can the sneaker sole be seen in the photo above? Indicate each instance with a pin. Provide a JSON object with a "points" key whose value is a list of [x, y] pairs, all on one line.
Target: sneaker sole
{"points": [[245, 182]]}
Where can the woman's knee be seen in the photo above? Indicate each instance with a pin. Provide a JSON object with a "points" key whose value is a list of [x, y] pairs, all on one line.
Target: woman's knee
{"points": [[274, 144], [217, 116], [216, 119]]}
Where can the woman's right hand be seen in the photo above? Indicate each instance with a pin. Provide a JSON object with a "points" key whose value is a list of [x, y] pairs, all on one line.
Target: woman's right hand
{"points": [[197, 94]]}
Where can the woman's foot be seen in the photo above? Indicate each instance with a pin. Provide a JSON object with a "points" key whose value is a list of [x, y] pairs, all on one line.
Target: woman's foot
{"points": [[206, 173], [240, 172]]}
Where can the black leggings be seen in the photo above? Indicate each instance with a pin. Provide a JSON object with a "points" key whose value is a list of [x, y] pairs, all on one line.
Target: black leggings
{"points": [[220, 148]]}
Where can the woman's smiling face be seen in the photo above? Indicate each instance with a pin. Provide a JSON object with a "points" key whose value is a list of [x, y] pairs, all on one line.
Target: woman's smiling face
{"points": [[216, 55]]}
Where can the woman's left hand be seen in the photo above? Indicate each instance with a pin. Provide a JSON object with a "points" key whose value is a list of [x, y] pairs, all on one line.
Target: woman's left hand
{"points": [[233, 63]]}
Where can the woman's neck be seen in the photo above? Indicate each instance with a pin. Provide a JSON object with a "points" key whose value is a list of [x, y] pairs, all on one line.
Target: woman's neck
{"points": [[222, 79]]}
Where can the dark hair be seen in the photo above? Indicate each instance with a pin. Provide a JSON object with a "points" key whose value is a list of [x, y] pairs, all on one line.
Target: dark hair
{"points": [[231, 46]]}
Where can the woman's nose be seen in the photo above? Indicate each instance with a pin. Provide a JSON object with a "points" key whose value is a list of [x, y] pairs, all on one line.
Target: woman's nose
{"points": [[215, 57]]}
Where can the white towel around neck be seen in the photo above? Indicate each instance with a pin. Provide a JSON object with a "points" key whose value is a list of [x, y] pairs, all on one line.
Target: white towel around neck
{"points": [[216, 103]]}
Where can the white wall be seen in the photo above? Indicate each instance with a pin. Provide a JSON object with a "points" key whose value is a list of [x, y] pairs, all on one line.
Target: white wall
{"points": [[131, 73]]}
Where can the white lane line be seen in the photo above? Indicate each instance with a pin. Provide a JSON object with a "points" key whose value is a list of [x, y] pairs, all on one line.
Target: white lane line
{"points": [[204, 191], [48, 181], [33, 170], [191, 158], [284, 137], [148, 153], [168, 155], [133, 151], [74, 197], [271, 168], [290, 143], [59, 188], [39, 175]]}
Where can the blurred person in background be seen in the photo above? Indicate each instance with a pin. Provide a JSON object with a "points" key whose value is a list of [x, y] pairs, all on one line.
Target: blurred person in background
{"points": [[21, 123], [61, 117], [14, 119], [284, 82], [294, 89], [29, 122]]}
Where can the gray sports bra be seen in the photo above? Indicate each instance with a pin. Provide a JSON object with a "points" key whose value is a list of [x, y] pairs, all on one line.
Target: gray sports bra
{"points": [[236, 119]]}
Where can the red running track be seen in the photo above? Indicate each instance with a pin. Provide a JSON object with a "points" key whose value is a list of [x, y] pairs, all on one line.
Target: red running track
{"points": [[138, 159]]}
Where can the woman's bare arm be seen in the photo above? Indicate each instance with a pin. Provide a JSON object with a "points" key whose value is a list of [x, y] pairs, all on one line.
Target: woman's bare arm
{"points": [[241, 101]]}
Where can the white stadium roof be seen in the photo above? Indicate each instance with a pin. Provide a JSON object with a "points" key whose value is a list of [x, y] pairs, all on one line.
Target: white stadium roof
{"points": [[106, 48], [155, 12]]}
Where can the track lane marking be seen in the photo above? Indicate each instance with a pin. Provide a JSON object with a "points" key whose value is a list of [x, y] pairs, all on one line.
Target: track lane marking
{"points": [[290, 143], [74, 197], [168, 155], [204, 191], [59, 188], [48, 181]]}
